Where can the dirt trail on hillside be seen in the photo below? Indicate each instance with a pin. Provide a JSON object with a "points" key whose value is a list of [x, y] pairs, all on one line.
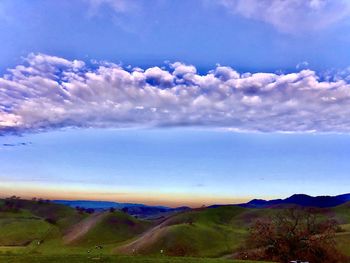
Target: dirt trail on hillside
{"points": [[80, 229], [144, 239]]}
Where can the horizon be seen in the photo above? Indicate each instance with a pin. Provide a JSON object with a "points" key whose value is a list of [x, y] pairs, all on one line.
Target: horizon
{"points": [[194, 103], [193, 206], [188, 167]]}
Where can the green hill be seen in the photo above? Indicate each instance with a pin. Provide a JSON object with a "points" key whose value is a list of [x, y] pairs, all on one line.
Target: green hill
{"points": [[203, 232], [46, 228], [21, 228], [213, 232], [60, 215], [24, 221], [112, 228]]}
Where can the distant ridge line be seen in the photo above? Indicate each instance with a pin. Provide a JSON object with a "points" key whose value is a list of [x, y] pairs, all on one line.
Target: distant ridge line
{"points": [[323, 201]]}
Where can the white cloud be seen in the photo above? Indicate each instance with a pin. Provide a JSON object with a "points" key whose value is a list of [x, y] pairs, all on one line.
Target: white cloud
{"points": [[158, 76], [48, 92], [291, 16], [181, 69], [251, 100]]}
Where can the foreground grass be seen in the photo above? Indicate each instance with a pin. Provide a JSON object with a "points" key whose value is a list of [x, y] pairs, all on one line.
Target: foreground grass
{"points": [[108, 259]]}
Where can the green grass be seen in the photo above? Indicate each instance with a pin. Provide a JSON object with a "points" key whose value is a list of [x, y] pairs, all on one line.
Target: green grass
{"points": [[214, 232], [114, 228], [342, 213], [19, 214], [196, 240], [21, 229], [210, 216], [343, 239], [63, 216], [204, 232], [109, 259], [208, 232]]}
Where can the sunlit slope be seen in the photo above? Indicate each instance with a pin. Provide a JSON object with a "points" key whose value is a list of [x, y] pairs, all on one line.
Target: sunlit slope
{"points": [[206, 232], [61, 216], [23, 221], [203, 232], [110, 228], [21, 228]]}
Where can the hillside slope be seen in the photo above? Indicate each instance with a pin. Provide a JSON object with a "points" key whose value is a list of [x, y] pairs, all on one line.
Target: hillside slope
{"points": [[202, 232], [205, 232], [79, 230], [21, 228], [106, 228], [24, 221]]}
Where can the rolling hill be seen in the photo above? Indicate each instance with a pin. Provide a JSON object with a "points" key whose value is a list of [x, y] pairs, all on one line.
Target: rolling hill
{"points": [[21, 228], [302, 200], [219, 231], [48, 228], [200, 232], [106, 228]]}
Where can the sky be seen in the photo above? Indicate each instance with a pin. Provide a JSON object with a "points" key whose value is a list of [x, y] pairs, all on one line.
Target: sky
{"points": [[174, 102]]}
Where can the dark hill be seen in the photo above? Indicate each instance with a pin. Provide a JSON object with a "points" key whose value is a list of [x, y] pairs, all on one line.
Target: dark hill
{"points": [[301, 200]]}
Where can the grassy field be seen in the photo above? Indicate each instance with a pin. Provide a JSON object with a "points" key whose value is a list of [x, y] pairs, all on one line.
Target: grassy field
{"points": [[110, 259], [203, 232], [36, 233], [114, 228], [343, 241], [21, 228]]}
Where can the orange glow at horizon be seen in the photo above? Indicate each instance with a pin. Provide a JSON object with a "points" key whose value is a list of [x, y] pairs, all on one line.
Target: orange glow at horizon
{"points": [[166, 199]]}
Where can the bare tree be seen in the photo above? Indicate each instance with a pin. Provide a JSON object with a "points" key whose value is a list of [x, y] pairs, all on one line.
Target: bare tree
{"points": [[295, 234]]}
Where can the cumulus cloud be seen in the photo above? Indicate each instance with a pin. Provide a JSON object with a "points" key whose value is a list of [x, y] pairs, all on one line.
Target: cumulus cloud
{"points": [[48, 92], [291, 15]]}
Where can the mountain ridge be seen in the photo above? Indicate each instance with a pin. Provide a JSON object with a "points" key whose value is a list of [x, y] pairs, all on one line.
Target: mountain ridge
{"points": [[139, 210], [322, 201], [142, 210]]}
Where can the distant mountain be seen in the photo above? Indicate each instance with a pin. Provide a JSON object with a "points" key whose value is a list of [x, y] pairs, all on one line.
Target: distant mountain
{"points": [[139, 210], [300, 199], [202, 232], [146, 211]]}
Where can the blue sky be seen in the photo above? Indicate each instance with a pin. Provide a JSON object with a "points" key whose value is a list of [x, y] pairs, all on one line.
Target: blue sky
{"points": [[194, 31], [187, 101], [174, 166]]}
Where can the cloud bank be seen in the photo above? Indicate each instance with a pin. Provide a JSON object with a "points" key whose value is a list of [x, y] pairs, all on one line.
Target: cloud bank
{"points": [[291, 16], [49, 92]]}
